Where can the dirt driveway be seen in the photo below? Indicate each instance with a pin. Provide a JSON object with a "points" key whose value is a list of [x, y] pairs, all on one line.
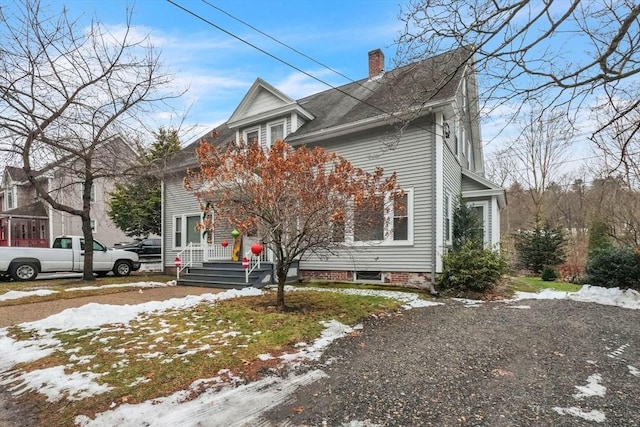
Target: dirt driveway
{"points": [[534, 363], [11, 315]]}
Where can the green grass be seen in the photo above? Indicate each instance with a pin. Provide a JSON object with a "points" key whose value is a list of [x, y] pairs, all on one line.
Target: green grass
{"points": [[160, 353], [535, 284]]}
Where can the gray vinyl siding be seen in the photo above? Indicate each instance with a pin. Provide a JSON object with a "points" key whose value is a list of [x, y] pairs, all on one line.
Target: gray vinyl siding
{"points": [[452, 174], [412, 160], [177, 201], [471, 185]]}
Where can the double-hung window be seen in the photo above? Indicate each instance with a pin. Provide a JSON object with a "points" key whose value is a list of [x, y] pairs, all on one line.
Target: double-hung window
{"points": [[185, 230], [251, 135], [275, 131], [382, 220]]}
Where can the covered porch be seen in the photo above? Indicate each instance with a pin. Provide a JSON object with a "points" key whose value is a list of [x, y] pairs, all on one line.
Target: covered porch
{"points": [[26, 226]]}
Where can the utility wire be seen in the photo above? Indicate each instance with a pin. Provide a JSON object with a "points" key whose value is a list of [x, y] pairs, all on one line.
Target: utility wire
{"points": [[282, 61], [333, 70]]}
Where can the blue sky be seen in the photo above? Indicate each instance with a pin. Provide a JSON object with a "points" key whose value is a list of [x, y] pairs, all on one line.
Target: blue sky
{"points": [[218, 69]]}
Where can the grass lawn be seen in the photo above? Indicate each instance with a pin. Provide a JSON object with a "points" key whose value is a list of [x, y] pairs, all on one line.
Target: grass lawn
{"points": [[536, 284], [161, 353]]}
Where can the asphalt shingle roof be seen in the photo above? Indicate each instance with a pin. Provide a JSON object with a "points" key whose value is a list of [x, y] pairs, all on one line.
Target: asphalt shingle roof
{"points": [[412, 86]]}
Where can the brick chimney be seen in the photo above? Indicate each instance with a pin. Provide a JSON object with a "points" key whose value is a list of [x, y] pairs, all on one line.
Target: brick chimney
{"points": [[376, 63]]}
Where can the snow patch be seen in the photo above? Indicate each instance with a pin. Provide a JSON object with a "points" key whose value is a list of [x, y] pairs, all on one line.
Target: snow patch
{"points": [[606, 296], [56, 384], [11, 295], [123, 285], [593, 388], [469, 303], [248, 402]]}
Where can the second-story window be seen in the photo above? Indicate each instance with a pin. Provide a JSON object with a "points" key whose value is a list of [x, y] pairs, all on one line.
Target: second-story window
{"points": [[249, 136], [275, 131]]}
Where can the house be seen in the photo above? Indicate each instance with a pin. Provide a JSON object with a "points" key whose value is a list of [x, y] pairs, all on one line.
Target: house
{"points": [[420, 121], [27, 220]]}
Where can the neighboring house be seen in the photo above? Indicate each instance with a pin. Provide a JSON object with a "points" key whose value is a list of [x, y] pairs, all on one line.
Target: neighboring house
{"points": [[27, 220], [420, 121]]}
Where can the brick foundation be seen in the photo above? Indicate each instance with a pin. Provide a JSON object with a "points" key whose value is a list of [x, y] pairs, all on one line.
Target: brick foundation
{"points": [[394, 278]]}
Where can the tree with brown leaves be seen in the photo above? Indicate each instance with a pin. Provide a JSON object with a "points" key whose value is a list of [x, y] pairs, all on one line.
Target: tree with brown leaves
{"points": [[299, 199]]}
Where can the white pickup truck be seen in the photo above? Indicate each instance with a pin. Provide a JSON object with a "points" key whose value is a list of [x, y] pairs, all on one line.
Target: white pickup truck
{"points": [[65, 255]]}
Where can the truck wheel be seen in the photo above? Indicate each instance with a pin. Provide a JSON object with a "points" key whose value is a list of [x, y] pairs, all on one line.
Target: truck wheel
{"points": [[122, 268], [23, 271]]}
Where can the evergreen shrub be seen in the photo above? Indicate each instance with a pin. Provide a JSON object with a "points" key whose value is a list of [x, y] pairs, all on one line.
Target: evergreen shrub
{"points": [[613, 267]]}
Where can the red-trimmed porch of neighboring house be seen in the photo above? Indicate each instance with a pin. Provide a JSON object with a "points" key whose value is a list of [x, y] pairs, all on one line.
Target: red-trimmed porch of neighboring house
{"points": [[25, 232], [25, 226]]}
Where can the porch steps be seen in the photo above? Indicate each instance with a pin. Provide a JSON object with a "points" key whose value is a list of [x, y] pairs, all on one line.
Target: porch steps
{"points": [[226, 275]]}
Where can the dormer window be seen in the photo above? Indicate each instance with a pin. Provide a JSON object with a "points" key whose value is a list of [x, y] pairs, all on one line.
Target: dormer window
{"points": [[276, 131], [251, 135]]}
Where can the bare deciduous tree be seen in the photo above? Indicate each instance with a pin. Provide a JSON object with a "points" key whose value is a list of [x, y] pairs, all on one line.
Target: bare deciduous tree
{"points": [[539, 151], [567, 53], [71, 94]]}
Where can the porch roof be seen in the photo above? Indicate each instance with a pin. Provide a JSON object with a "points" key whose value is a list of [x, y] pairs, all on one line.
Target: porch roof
{"points": [[35, 210]]}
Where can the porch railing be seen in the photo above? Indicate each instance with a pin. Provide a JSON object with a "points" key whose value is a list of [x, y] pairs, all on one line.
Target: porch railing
{"points": [[254, 262], [191, 254]]}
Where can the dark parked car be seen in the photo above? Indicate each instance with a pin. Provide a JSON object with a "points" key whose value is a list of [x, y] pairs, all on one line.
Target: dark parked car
{"points": [[144, 247]]}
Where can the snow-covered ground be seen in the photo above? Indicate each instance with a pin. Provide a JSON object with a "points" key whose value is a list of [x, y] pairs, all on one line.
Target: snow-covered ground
{"points": [[180, 408], [606, 296]]}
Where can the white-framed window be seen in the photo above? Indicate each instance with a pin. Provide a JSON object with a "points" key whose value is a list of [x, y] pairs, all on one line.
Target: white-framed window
{"points": [[250, 135], [276, 130], [185, 230], [382, 221], [9, 197], [94, 226], [92, 193], [482, 211]]}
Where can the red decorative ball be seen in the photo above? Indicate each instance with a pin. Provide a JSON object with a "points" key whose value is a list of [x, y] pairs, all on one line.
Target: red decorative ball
{"points": [[224, 243], [256, 249]]}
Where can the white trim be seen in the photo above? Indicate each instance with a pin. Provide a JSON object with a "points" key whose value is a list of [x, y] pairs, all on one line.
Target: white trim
{"points": [[94, 226], [294, 121], [388, 226], [163, 215], [448, 215], [368, 123], [439, 212], [282, 122], [495, 224], [183, 229], [485, 218], [249, 130]]}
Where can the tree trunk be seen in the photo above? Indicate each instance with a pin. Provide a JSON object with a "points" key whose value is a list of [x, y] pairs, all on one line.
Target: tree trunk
{"points": [[281, 273], [87, 271]]}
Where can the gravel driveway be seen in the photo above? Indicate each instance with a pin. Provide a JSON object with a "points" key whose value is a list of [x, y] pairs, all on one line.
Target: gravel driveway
{"points": [[532, 363]]}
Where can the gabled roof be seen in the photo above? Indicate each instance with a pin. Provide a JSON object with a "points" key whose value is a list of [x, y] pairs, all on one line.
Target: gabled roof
{"points": [[16, 174], [186, 157], [34, 210], [485, 188], [410, 88], [262, 102], [415, 87]]}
